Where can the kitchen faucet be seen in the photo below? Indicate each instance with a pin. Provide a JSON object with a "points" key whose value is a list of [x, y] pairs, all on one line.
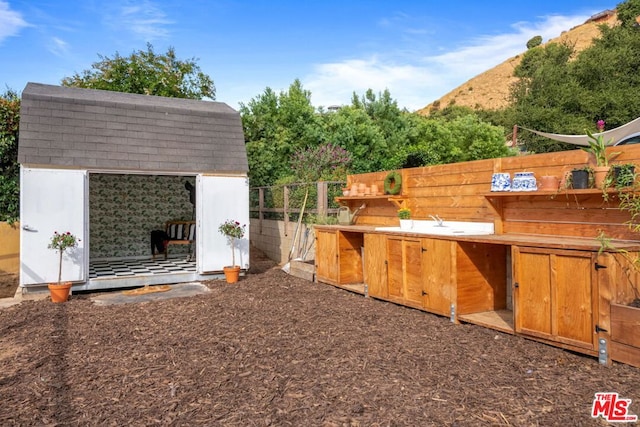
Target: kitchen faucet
{"points": [[438, 220]]}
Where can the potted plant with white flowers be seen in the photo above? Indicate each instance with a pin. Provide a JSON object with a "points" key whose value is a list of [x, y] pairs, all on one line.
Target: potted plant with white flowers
{"points": [[232, 230], [61, 242]]}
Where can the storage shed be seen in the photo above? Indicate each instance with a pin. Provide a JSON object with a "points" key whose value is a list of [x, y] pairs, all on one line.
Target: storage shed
{"points": [[113, 167]]}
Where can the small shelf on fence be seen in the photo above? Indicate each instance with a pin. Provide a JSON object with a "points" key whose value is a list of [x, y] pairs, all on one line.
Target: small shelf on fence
{"points": [[397, 200], [553, 193]]}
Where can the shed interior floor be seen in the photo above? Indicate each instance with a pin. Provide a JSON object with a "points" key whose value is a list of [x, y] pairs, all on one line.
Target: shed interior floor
{"points": [[139, 267]]}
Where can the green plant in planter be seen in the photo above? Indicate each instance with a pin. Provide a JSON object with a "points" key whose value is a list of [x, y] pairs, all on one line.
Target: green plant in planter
{"points": [[232, 230], [312, 219], [633, 261], [404, 213], [61, 242], [629, 197], [623, 175], [630, 202], [598, 147]]}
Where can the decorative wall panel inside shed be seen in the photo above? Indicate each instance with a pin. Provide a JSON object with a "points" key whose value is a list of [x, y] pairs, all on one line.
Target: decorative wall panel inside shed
{"points": [[124, 209]]}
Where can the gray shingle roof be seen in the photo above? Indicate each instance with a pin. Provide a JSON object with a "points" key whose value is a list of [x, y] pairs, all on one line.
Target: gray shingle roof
{"points": [[97, 129]]}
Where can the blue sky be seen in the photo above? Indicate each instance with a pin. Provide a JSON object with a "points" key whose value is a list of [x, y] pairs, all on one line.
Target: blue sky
{"points": [[418, 49]]}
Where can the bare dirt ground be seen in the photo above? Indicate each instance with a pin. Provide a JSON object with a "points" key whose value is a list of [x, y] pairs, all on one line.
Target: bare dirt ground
{"points": [[276, 350]]}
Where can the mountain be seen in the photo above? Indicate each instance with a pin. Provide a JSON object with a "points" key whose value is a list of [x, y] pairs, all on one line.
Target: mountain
{"points": [[490, 89]]}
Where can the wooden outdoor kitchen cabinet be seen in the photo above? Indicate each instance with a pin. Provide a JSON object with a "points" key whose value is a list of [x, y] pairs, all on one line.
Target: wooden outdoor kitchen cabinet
{"points": [[339, 256], [375, 265], [555, 295], [539, 275], [416, 272]]}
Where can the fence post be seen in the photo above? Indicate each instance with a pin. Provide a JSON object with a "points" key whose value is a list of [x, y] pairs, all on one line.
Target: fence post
{"points": [[260, 207], [322, 204], [286, 210]]}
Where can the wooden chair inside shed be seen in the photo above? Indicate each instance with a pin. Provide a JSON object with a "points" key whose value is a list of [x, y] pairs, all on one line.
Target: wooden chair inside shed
{"points": [[180, 233]]}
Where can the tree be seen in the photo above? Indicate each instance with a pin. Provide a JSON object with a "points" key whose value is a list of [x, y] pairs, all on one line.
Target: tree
{"points": [[628, 13], [560, 91], [276, 126], [147, 73], [478, 140], [354, 130], [431, 143], [9, 167], [546, 97], [373, 130], [534, 42], [386, 116], [607, 74], [454, 135]]}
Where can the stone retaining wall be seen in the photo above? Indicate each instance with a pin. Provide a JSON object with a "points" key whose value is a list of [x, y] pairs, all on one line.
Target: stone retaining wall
{"points": [[275, 241]]}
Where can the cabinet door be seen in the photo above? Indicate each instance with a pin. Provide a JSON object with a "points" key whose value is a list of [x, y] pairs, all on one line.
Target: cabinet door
{"points": [[404, 271], [327, 256], [574, 314], [532, 293], [438, 282], [375, 266], [553, 295], [395, 267], [414, 293]]}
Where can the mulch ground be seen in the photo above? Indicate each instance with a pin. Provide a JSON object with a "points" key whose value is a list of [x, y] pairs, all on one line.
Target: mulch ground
{"points": [[8, 284], [276, 350]]}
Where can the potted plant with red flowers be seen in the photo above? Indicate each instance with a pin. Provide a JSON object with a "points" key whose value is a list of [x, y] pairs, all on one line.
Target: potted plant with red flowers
{"points": [[232, 230], [598, 147], [61, 242]]}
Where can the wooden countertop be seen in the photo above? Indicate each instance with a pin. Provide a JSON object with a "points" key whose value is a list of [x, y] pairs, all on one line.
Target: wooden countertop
{"points": [[535, 240]]}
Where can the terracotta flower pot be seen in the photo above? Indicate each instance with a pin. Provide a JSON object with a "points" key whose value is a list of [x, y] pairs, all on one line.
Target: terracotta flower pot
{"points": [[549, 183], [231, 274], [59, 292], [600, 174]]}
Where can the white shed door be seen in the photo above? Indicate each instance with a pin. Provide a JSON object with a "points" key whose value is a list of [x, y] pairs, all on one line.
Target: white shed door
{"points": [[52, 200], [220, 198]]}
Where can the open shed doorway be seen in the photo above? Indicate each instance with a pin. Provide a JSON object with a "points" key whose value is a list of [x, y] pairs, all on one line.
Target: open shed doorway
{"points": [[123, 210]]}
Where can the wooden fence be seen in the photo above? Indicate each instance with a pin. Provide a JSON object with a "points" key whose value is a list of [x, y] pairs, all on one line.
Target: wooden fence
{"points": [[315, 201], [9, 248]]}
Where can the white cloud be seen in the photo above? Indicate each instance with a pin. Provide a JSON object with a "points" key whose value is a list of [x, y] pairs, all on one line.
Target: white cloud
{"points": [[10, 21], [144, 18], [415, 82], [486, 52], [335, 83], [58, 47]]}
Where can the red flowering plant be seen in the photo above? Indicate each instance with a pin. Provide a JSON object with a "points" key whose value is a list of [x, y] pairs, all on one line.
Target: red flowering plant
{"points": [[232, 230], [61, 242], [326, 161]]}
